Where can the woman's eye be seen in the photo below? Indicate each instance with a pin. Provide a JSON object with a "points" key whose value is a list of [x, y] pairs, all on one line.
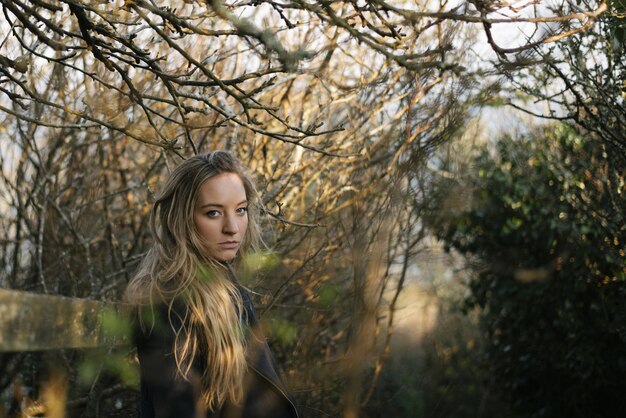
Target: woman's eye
{"points": [[213, 214], [242, 210]]}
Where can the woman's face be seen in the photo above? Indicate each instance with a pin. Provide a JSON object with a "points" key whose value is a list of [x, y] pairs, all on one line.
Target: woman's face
{"points": [[221, 215]]}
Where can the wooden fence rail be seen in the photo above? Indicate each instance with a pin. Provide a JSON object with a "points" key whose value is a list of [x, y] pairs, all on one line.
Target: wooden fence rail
{"points": [[30, 322]]}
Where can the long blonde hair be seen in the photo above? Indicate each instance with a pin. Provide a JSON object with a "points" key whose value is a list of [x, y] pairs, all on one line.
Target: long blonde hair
{"points": [[176, 269]]}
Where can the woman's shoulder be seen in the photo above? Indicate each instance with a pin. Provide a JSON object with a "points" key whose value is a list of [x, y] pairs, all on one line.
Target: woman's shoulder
{"points": [[160, 321]]}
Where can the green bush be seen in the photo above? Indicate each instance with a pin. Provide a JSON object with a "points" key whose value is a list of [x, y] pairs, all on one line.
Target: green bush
{"points": [[545, 235]]}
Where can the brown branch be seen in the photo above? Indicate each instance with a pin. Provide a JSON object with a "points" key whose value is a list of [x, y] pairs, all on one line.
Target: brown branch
{"points": [[8, 4], [590, 20]]}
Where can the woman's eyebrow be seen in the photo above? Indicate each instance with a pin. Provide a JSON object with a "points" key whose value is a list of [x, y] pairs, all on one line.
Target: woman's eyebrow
{"points": [[218, 205]]}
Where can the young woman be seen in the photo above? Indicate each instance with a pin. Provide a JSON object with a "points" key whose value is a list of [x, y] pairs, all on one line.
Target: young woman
{"points": [[200, 350]]}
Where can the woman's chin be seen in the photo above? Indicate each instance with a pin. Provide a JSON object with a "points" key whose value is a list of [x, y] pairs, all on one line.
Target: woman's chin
{"points": [[224, 256]]}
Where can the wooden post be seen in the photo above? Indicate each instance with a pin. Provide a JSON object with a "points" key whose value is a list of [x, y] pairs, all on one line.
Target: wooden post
{"points": [[31, 321]]}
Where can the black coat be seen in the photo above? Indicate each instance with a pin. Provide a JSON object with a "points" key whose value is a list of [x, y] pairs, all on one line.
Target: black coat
{"points": [[166, 395]]}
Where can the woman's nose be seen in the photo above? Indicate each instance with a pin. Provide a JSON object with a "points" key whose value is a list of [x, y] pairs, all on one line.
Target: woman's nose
{"points": [[230, 225]]}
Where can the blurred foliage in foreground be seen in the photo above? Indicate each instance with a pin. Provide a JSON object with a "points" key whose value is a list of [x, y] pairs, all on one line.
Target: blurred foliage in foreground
{"points": [[545, 235]]}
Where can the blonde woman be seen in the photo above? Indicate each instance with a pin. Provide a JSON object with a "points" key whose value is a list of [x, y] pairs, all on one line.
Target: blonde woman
{"points": [[199, 349]]}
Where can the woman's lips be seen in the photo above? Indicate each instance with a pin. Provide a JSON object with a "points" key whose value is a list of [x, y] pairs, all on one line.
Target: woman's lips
{"points": [[229, 245]]}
